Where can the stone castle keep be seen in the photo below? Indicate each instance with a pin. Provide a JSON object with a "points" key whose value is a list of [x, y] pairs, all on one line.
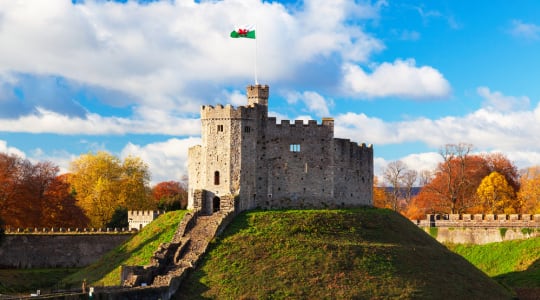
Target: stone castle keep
{"points": [[248, 161]]}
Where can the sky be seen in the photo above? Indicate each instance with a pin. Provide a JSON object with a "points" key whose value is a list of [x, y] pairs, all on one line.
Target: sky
{"points": [[408, 77]]}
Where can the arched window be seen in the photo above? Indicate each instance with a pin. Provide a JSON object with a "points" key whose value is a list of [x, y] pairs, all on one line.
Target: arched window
{"points": [[216, 177]]}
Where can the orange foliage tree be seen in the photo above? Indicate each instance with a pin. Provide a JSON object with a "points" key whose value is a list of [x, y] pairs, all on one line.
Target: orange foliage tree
{"points": [[170, 195], [380, 196], [30, 197], [452, 189], [529, 193]]}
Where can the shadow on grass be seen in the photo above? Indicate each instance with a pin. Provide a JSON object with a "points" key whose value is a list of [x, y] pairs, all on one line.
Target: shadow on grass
{"points": [[195, 289], [526, 283], [529, 278]]}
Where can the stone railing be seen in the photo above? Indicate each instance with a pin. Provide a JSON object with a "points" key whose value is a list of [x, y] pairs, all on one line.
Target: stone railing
{"points": [[481, 220], [60, 230]]}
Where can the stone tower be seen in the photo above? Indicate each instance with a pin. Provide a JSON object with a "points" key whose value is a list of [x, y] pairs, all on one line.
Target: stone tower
{"points": [[226, 160]]}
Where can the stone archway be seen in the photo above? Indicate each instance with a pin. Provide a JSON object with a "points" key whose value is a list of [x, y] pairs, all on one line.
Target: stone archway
{"points": [[216, 204]]}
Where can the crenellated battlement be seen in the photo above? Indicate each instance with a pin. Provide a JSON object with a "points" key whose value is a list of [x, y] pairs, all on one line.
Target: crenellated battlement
{"points": [[137, 219], [481, 220], [67, 231], [326, 122]]}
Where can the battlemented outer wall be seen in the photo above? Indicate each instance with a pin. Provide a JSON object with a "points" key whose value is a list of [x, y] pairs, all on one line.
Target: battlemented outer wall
{"points": [[56, 250]]}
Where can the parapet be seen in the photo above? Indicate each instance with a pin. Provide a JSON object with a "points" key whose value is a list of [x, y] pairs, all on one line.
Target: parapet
{"points": [[300, 123], [220, 111], [481, 220]]}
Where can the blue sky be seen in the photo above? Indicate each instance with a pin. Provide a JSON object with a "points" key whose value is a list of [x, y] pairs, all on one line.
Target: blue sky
{"points": [[408, 77]]}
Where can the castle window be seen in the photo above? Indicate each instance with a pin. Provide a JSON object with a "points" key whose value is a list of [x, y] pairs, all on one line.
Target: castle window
{"points": [[216, 177], [247, 129], [220, 128], [294, 147]]}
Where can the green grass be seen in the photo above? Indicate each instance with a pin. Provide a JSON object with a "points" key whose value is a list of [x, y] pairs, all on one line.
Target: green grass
{"points": [[136, 251], [513, 263], [13, 281], [333, 254]]}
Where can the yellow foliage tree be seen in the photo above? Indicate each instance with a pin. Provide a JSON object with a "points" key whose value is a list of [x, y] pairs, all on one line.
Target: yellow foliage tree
{"points": [[529, 193], [103, 183], [496, 195]]}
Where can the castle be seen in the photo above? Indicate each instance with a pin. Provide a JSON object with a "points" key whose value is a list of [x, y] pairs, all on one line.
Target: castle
{"points": [[248, 161]]}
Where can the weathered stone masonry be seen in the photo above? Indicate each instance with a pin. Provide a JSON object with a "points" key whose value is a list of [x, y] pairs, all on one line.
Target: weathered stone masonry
{"points": [[249, 158]]}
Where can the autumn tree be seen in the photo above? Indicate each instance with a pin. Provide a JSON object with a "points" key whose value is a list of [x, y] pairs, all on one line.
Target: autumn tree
{"points": [[103, 183], [529, 193], [60, 208], [170, 195], [453, 186], [134, 182], [400, 180], [498, 162], [380, 196], [496, 195], [32, 195]]}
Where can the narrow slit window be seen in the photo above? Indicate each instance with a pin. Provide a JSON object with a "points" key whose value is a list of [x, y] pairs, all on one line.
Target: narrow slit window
{"points": [[247, 129], [216, 178], [294, 147], [220, 128]]}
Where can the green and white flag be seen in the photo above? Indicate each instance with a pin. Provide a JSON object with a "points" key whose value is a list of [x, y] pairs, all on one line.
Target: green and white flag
{"points": [[244, 31]]}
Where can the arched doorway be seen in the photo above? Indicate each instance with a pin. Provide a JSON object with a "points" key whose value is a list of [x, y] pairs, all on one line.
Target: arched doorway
{"points": [[216, 202]]}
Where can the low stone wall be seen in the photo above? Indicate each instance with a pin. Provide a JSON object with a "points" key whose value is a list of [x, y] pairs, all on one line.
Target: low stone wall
{"points": [[56, 250], [479, 235]]}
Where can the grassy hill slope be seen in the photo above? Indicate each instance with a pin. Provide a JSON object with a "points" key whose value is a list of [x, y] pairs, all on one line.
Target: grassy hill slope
{"points": [[136, 251], [360, 253], [513, 263]]}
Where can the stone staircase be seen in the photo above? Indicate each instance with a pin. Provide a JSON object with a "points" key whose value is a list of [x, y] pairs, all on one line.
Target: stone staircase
{"points": [[172, 261]]}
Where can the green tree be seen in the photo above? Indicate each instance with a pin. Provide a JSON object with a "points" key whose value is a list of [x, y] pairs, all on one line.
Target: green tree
{"points": [[103, 183], [119, 218], [496, 195]]}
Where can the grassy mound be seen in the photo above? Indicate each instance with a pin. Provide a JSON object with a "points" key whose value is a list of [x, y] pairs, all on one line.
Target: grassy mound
{"points": [[307, 254], [136, 251]]}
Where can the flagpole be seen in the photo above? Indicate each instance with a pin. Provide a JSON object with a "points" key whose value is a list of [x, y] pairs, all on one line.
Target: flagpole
{"points": [[256, 81]]}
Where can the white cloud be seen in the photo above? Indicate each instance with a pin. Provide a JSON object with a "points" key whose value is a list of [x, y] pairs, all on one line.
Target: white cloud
{"points": [[499, 102], [153, 121], [527, 31], [166, 160], [402, 78], [313, 102], [485, 128], [160, 52], [4, 148]]}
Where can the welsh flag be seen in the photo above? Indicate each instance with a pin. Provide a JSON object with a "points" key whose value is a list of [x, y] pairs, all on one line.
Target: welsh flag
{"points": [[244, 31]]}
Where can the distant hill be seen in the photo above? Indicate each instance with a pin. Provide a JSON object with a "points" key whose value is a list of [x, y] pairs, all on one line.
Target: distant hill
{"points": [[333, 254]]}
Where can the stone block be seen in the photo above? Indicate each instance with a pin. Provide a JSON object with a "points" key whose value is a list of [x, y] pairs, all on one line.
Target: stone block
{"points": [[501, 217], [513, 217], [478, 217], [536, 218], [526, 217], [466, 217], [453, 217], [490, 217]]}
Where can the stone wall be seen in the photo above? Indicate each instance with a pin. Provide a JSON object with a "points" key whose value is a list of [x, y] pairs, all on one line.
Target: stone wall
{"points": [[480, 228], [481, 235], [56, 250]]}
